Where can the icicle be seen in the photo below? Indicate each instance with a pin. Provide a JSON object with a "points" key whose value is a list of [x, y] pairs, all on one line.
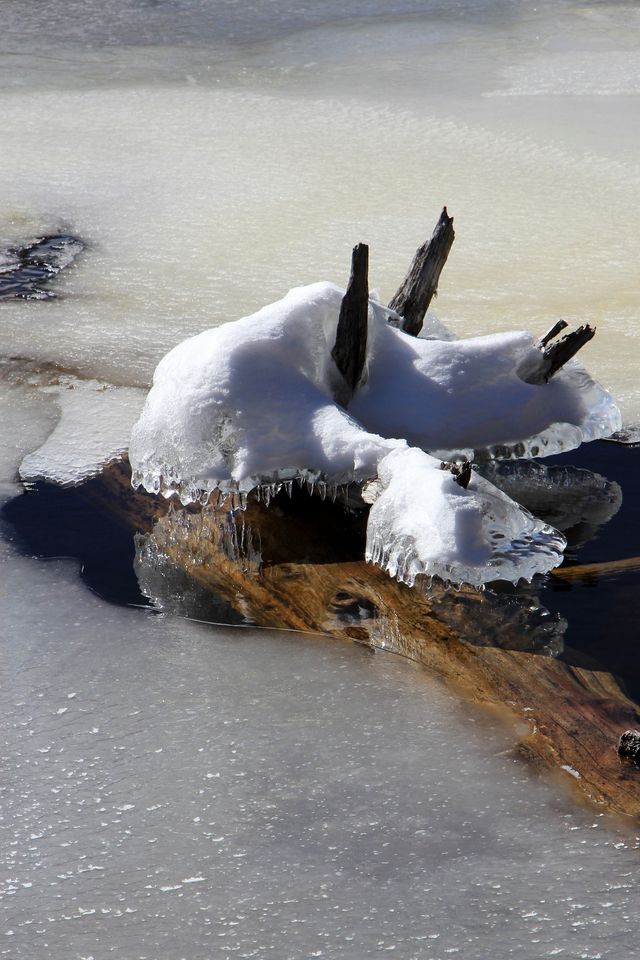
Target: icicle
{"points": [[322, 487], [244, 500], [288, 485]]}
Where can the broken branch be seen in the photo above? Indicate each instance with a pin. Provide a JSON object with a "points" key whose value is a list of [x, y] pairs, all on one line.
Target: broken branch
{"points": [[350, 350], [420, 285], [559, 353]]}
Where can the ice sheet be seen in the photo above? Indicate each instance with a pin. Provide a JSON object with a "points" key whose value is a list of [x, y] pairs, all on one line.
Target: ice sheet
{"points": [[169, 790], [93, 429]]}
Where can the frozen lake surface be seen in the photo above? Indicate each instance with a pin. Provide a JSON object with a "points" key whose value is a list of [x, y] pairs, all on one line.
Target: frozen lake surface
{"points": [[175, 790], [170, 789]]}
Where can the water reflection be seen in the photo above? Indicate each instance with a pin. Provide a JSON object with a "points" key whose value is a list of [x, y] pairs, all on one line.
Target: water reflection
{"points": [[49, 522], [537, 618], [572, 499]]}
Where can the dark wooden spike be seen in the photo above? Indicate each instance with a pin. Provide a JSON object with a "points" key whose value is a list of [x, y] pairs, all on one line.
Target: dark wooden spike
{"points": [[420, 285], [559, 353], [350, 350]]}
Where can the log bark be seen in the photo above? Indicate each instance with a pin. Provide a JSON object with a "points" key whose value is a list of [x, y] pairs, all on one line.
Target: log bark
{"points": [[350, 350], [412, 299], [569, 719]]}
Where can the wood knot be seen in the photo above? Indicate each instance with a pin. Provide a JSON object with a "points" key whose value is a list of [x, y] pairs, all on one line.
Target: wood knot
{"points": [[629, 747], [352, 608]]}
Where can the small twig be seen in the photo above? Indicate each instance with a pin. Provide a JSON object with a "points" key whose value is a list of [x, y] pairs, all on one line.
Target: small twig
{"points": [[461, 474], [592, 571], [555, 356]]}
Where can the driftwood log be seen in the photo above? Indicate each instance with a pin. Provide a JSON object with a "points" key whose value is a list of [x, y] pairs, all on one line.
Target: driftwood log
{"points": [[297, 565], [294, 565]]}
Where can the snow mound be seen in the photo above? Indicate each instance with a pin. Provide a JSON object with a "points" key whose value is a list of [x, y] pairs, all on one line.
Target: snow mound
{"points": [[422, 523], [250, 405], [466, 398]]}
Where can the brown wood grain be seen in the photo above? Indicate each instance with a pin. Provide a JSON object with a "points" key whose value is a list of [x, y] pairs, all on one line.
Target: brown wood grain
{"points": [[308, 577]]}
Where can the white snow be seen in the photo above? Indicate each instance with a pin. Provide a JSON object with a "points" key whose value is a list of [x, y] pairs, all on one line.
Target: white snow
{"points": [[250, 404], [423, 523], [451, 397]]}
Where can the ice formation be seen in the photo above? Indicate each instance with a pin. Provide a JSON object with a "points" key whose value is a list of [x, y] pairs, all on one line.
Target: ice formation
{"points": [[422, 523], [72, 453], [251, 404]]}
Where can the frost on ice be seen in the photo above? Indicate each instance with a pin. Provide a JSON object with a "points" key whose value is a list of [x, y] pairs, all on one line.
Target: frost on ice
{"points": [[251, 404]]}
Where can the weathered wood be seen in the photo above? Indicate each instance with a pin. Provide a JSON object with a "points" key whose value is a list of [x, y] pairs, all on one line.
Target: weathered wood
{"points": [[412, 299], [572, 717], [557, 354], [595, 571], [350, 350]]}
